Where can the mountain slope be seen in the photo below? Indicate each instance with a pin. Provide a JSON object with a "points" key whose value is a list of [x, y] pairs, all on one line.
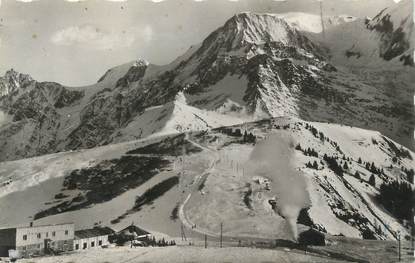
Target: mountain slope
{"points": [[370, 42], [214, 183], [255, 66]]}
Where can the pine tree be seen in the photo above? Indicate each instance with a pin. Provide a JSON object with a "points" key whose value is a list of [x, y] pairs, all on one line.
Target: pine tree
{"points": [[398, 198], [410, 175], [245, 136], [238, 133], [345, 166], [372, 180], [321, 136], [315, 165], [359, 161]]}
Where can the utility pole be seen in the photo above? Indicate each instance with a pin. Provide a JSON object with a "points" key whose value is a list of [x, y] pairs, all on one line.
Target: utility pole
{"points": [[399, 246], [322, 20], [221, 231], [413, 232], [205, 241], [183, 233]]}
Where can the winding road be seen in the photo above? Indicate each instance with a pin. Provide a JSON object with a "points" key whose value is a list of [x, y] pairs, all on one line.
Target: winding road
{"points": [[199, 180]]}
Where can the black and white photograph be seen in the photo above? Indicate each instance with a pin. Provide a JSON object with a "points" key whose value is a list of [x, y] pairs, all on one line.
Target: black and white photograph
{"points": [[207, 131]]}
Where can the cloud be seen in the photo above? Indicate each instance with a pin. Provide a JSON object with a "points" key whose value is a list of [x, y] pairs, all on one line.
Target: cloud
{"points": [[92, 37], [147, 33]]}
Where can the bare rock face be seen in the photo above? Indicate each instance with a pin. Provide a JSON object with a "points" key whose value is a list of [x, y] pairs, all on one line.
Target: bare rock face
{"points": [[254, 66]]}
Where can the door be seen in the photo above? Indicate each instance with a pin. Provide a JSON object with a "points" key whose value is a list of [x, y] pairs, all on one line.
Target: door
{"points": [[47, 246]]}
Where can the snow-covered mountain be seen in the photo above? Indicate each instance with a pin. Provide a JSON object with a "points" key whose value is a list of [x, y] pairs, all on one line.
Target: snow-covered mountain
{"points": [[255, 66], [372, 41], [166, 145], [313, 23], [204, 178]]}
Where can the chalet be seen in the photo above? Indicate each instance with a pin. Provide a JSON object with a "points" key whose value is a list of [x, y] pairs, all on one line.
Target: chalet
{"points": [[91, 238], [36, 240], [129, 234], [135, 232]]}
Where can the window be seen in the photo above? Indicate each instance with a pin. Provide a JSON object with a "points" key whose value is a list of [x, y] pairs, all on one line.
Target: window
{"points": [[39, 235], [100, 243], [85, 245], [53, 233], [24, 248], [47, 234], [38, 245], [66, 232], [93, 244], [76, 246], [24, 237]]}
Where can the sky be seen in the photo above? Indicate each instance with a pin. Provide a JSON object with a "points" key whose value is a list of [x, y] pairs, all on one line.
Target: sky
{"points": [[75, 42]]}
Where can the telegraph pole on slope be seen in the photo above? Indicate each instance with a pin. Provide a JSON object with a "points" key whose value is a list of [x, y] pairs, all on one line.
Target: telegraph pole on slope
{"points": [[221, 236], [322, 19], [399, 245], [183, 233], [412, 231]]}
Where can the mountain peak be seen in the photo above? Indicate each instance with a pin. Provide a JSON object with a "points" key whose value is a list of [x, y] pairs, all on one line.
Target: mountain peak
{"points": [[11, 73], [244, 29], [116, 73], [140, 63], [13, 80], [259, 28]]}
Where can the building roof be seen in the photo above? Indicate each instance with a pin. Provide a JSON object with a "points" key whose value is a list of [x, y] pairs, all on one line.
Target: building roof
{"points": [[93, 232], [36, 226], [134, 230]]}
